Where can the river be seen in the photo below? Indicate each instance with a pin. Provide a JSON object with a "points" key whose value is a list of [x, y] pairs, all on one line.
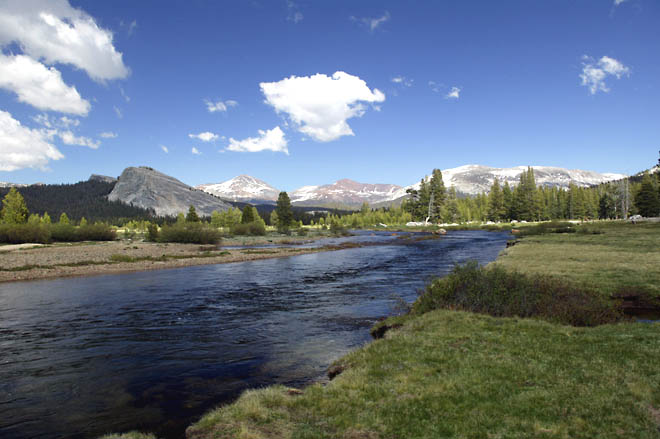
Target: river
{"points": [[154, 350]]}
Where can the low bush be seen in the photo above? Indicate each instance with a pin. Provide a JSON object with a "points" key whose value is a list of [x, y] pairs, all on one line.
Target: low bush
{"points": [[91, 232], [254, 228], [502, 293], [23, 233], [549, 227], [189, 233]]}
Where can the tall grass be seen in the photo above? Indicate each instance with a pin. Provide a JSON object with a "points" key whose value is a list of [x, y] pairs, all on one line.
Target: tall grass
{"points": [[504, 293]]}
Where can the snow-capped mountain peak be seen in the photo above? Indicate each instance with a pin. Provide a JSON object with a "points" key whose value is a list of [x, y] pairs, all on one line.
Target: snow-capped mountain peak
{"points": [[242, 188]]}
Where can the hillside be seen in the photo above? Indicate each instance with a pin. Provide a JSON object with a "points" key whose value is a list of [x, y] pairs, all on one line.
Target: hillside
{"points": [[149, 189]]}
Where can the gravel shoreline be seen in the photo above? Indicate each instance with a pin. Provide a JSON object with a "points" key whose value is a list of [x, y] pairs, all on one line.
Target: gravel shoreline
{"points": [[97, 258]]}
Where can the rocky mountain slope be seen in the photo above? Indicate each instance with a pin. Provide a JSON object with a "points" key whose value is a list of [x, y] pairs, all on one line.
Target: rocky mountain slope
{"points": [[344, 192], [102, 178], [5, 184], [243, 188], [147, 188]]}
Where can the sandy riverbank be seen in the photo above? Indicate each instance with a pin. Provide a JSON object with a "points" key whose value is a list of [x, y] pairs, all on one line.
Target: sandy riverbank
{"points": [[84, 259]]}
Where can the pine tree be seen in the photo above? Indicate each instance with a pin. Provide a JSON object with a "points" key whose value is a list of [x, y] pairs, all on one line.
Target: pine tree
{"points": [[646, 199], [45, 219], [192, 216], [437, 188], [216, 219], [507, 197], [450, 210], [606, 206], [284, 212], [83, 222], [14, 209], [248, 214], [496, 210], [64, 219]]}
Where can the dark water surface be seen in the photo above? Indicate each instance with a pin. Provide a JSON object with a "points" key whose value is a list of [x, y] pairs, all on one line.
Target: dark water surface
{"points": [[154, 350]]}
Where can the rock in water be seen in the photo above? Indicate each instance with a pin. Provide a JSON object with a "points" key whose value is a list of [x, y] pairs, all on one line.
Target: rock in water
{"points": [[150, 189]]}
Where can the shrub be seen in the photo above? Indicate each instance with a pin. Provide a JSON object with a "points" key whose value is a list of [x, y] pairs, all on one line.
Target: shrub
{"points": [[254, 228], [24, 233], [190, 233], [64, 232], [502, 293], [152, 232]]}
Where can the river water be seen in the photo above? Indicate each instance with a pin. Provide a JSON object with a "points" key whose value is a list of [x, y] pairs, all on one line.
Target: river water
{"points": [[153, 351]]}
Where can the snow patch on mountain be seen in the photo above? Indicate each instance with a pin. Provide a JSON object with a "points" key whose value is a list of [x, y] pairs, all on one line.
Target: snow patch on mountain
{"points": [[242, 188]]}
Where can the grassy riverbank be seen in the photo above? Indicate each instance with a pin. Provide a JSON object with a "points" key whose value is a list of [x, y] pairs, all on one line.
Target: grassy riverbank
{"points": [[610, 256], [447, 373]]}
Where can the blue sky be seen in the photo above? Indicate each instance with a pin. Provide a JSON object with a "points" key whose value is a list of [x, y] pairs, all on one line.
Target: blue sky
{"points": [[96, 86]]}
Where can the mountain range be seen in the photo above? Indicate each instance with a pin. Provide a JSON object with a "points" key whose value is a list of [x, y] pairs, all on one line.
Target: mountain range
{"points": [[467, 180]]}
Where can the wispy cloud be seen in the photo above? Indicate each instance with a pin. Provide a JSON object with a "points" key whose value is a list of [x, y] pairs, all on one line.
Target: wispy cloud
{"points": [[294, 13], [165, 149], [206, 136], [219, 105], [108, 135], [118, 112], [406, 82], [372, 23], [595, 72], [196, 151]]}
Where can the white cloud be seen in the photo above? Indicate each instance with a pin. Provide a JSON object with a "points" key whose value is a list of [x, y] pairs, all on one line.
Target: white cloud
{"points": [[196, 151], [294, 13], [435, 87], [55, 32], [22, 147], [454, 93], [108, 135], [124, 95], [206, 136], [372, 23], [219, 105], [118, 112], [403, 81], [272, 140], [618, 2], [66, 122], [40, 86], [68, 138], [320, 105], [594, 73], [165, 149]]}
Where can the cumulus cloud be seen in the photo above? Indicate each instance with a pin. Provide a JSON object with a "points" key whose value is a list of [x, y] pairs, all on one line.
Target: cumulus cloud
{"points": [[595, 72], [165, 149], [108, 135], [55, 32], [68, 138], [454, 93], [320, 105], [219, 105], [372, 22], [40, 86], [206, 136], [22, 147], [272, 140], [196, 151], [403, 81]]}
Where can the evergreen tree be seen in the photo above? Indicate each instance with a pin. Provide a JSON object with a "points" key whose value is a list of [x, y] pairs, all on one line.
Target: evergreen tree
{"points": [[14, 209], [437, 189], [64, 219], [34, 219], [248, 214], [646, 199], [46, 218], [273, 218], [507, 197], [180, 218], [496, 209], [83, 222], [192, 216], [606, 206], [284, 212]]}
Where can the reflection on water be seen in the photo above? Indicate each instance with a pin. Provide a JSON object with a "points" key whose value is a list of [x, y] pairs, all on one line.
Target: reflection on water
{"points": [[154, 350]]}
